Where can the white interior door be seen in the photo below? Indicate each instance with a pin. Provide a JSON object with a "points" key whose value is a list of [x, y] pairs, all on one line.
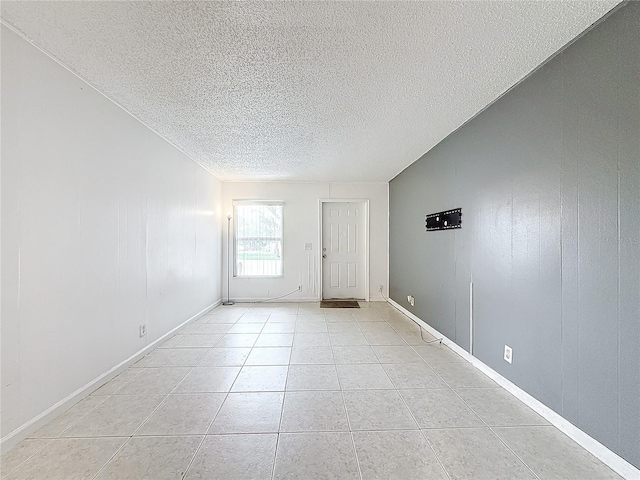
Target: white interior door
{"points": [[343, 250]]}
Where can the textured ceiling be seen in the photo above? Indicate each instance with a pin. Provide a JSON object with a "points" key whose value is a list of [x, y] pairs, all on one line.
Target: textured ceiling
{"points": [[340, 91]]}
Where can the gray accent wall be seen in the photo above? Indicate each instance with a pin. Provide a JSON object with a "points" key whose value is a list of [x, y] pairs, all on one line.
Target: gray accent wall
{"points": [[548, 179]]}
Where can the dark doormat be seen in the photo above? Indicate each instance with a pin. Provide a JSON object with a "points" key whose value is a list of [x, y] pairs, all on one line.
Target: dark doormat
{"points": [[339, 304]]}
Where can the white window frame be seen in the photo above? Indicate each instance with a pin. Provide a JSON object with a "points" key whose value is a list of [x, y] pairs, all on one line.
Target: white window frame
{"points": [[244, 202]]}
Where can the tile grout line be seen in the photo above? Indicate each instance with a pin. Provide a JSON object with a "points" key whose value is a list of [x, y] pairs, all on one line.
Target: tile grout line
{"points": [[204, 437], [76, 421], [214, 417], [112, 456], [15, 469], [346, 411], [409, 410], [424, 436], [284, 396], [412, 415], [473, 411], [465, 403], [145, 419], [151, 414], [129, 437], [395, 327], [487, 426], [194, 456], [139, 370]]}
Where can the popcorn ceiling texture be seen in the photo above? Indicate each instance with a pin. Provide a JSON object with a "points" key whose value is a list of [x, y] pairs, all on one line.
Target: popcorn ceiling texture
{"points": [[322, 91]]}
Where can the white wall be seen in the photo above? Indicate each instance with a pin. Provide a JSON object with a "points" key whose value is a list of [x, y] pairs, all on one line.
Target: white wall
{"points": [[301, 220], [105, 226]]}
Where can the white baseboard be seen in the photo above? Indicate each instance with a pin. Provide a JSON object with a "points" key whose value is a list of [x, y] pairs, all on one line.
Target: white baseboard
{"points": [[281, 300], [293, 300], [39, 421], [613, 460]]}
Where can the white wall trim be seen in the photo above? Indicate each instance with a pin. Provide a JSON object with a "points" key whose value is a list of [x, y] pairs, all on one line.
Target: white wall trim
{"points": [[613, 460], [12, 439], [268, 301], [388, 243]]}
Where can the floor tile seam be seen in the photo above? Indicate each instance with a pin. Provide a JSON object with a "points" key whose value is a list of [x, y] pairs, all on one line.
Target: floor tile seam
{"points": [[188, 373], [496, 435], [232, 434], [178, 346], [513, 452], [164, 435], [15, 469], [355, 453], [524, 425], [391, 429], [60, 435], [320, 389], [284, 399], [243, 432], [424, 435], [231, 390], [157, 407], [346, 412], [118, 450], [208, 428], [105, 397], [210, 348], [442, 378], [223, 402], [139, 372], [472, 387], [456, 427], [411, 388], [513, 427], [326, 430], [398, 333], [87, 437], [402, 362], [395, 387]]}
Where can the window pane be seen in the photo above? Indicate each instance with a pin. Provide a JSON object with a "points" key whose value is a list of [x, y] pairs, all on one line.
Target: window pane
{"points": [[258, 240]]}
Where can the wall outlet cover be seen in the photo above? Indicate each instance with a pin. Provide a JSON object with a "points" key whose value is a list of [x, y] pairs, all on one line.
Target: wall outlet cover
{"points": [[508, 354], [143, 330]]}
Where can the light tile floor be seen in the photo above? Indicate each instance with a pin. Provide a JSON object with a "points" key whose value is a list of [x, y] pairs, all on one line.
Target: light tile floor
{"points": [[292, 391]]}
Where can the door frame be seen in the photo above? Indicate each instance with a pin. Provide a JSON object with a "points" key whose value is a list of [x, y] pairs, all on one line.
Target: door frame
{"points": [[364, 201]]}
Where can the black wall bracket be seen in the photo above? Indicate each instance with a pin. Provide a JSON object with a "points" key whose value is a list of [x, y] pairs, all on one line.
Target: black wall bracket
{"points": [[444, 220]]}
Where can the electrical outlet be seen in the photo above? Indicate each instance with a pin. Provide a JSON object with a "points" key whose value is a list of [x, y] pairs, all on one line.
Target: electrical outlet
{"points": [[308, 246], [143, 330], [380, 288], [411, 300], [508, 354]]}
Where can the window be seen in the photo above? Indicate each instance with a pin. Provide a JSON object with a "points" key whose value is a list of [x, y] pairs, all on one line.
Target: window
{"points": [[258, 238]]}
